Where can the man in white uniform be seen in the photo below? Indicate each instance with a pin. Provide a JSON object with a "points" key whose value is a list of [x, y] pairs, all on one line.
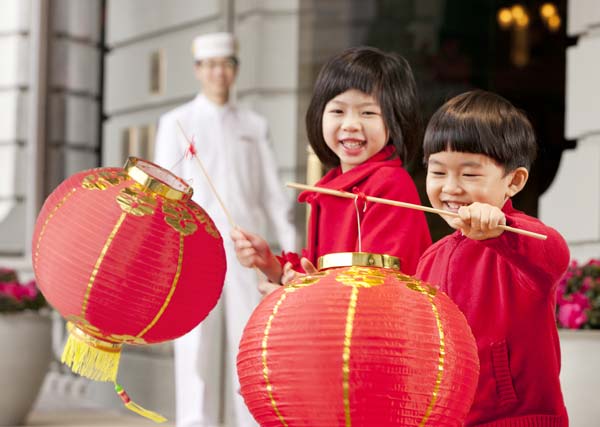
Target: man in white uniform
{"points": [[233, 146]]}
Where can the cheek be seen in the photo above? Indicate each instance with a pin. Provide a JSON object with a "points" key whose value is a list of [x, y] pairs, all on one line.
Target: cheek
{"points": [[328, 127], [432, 190]]}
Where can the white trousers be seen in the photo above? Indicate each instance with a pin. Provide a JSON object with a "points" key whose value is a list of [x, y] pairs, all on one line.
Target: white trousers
{"points": [[206, 381]]}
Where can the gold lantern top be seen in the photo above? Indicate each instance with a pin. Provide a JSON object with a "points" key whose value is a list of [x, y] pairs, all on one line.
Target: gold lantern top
{"points": [[157, 179], [359, 259]]}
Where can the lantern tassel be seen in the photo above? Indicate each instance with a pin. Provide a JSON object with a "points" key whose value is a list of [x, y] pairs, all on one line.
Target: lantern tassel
{"points": [[134, 407], [90, 357]]}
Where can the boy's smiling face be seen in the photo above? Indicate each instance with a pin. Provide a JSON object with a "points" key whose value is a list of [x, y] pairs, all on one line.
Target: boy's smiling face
{"points": [[456, 179]]}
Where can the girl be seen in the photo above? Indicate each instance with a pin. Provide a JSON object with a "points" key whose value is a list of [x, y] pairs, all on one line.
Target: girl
{"points": [[362, 121]]}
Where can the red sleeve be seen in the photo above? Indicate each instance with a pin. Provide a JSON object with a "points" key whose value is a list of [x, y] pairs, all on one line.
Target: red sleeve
{"points": [[542, 262]]}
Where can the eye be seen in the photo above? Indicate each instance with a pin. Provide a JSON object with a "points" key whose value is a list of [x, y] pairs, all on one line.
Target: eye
{"points": [[335, 111], [437, 172], [470, 175]]}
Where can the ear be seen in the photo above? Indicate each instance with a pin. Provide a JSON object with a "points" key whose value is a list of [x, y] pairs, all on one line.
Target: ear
{"points": [[518, 179]]}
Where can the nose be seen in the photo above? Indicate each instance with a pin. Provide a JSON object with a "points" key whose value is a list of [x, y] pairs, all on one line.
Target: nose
{"points": [[351, 122], [451, 185]]}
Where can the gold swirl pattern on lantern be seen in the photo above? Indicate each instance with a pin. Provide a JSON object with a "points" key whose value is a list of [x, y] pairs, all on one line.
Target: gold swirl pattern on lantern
{"points": [[423, 288], [305, 281], [203, 218], [362, 277], [179, 218], [83, 326], [136, 202], [104, 179]]}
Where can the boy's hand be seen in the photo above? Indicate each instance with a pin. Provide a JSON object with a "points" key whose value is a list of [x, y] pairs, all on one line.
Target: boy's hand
{"points": [[479, 221]]}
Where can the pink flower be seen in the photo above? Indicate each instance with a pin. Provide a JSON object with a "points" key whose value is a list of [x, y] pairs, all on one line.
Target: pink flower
{"points": [[19, 292], [30, 290], [572, 315], [586, 284], [10, 289]]}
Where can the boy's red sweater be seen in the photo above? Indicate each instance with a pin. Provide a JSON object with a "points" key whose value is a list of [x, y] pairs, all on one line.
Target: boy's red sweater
{"points": [[506, 287]]}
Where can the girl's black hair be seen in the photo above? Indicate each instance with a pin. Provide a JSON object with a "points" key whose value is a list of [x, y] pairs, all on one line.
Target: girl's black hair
{"points": [[385, 76], [482, 122]]}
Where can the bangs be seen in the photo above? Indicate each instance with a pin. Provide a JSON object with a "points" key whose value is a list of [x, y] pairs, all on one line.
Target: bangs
{"points": [[466, 134], [356, 74]]}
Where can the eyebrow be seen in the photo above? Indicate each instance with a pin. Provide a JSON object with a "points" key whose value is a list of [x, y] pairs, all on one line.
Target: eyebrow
{"points": [[363, 104], [463, 164]]}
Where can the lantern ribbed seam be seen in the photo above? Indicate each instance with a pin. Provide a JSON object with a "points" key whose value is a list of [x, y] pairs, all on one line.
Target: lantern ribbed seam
{"points": [[346, 354], [441, 357], [109, 240], [171, 290], [50, 215], [264, 355]]}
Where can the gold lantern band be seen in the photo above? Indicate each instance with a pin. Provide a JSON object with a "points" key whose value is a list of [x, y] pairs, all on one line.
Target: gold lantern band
{"points": [[157, 179], [360, 259]]}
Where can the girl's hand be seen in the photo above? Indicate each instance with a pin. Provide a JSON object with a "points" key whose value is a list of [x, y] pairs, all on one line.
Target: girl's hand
{"points": [[290, 274], [252, 251], [479, 221], [265, 287]]}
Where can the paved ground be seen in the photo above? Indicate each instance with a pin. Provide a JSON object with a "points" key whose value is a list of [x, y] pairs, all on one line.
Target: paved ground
{"points": [[87, 418], [58, 406]]}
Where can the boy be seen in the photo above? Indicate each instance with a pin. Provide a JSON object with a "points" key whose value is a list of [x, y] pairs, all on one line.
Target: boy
{"points": [[478, 148]]}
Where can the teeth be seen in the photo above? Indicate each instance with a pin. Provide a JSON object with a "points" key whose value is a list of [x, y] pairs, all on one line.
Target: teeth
{"points": [[352, 144], [452, 205]]}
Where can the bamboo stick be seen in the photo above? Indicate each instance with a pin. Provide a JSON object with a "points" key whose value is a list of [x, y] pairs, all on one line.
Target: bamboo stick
{"points": [[348, 195]]}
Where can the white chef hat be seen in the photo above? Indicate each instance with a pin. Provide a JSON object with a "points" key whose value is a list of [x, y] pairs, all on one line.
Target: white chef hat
{"points": [[214, 45]]}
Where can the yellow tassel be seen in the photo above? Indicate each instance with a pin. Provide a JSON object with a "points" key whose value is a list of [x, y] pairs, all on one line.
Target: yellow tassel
{"points": [[134, 407], [91, 357]]}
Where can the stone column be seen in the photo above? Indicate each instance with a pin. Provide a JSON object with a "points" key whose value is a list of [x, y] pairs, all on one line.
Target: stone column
{"points": [[572, 203]]}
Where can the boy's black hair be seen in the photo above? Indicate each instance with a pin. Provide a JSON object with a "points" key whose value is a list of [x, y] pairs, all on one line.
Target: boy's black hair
{"points": [[387, 77], [485, 123]]}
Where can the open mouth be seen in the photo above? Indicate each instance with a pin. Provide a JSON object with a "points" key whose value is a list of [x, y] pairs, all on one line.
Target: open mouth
{"points": [[353, 145], [452, 206]]}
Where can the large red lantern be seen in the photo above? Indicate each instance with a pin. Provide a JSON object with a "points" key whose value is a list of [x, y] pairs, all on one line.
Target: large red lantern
{"points": [[358, 344], [126, 257]]}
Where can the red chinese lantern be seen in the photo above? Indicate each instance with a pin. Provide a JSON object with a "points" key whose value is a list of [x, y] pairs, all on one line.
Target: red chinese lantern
{"points": [[358, 345], [126, 257]]}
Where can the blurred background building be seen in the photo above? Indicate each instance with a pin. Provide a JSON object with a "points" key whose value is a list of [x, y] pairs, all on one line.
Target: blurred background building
{"points": [[83, 83]]}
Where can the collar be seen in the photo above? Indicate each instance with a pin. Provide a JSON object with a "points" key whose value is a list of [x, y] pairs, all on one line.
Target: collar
{"points": [[345, 181], [204, 103], [508, 207]]}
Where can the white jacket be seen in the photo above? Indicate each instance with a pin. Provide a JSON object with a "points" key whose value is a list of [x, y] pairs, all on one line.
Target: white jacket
{"points": [[233, 145]]}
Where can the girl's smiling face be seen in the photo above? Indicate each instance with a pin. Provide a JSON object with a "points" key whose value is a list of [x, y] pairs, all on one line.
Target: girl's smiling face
{"points": [[353, 127], [456, 179]]}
